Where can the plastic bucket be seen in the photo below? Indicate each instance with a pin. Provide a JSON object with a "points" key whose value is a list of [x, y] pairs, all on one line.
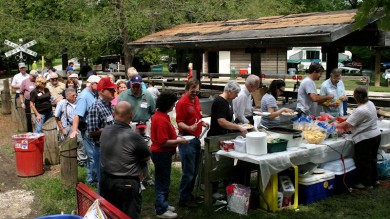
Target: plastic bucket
{"points": [[28, 153], [60, 216]]}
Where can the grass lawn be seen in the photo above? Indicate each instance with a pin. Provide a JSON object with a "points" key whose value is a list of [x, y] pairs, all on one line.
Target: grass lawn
{"points": [[53, 198]]}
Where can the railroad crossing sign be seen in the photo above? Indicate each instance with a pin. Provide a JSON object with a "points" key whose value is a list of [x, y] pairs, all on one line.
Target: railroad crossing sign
{"points": [[21, 48]]}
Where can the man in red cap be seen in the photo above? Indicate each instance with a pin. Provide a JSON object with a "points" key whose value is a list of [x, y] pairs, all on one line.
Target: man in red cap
{"points": [[100, 114]]}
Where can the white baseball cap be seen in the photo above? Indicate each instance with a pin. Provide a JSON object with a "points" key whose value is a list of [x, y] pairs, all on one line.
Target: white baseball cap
{"points": [[74, 75], [93, 79], [22, 65]]}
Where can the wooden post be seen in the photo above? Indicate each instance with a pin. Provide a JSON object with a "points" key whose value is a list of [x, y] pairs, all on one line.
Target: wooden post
{"points": [[51, 151], [68, 157], [14, 113], [6, 98], [377, 67], [21, 117]]}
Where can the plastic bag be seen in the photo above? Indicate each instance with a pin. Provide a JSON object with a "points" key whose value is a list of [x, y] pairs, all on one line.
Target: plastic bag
{"points": [[95, 212], [238, 198], [383, 167]]}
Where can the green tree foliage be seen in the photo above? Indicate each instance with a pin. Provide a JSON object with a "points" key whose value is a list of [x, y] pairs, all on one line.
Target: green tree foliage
{"points": [[371, 10]]}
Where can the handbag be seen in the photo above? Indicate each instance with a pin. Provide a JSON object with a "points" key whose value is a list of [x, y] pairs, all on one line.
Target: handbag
{"points": [[383, 167]]}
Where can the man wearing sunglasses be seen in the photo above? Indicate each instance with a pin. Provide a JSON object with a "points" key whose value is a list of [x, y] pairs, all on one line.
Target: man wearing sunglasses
{"points": [[100, 114], [56, 88], [141, 100], [189, 120]]}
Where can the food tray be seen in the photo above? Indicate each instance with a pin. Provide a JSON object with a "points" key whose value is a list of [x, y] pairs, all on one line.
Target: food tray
{"points": [[277, 147]]}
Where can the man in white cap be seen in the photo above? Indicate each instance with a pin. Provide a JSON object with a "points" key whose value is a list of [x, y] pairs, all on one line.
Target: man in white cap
{"points": [[75, 77], [56, 88], [26, 87], [17, 80], [85, 100]]}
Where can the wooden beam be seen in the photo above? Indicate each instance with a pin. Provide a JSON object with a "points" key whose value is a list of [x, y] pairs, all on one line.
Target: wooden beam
{"points": [[377, 66], [256, 65]]}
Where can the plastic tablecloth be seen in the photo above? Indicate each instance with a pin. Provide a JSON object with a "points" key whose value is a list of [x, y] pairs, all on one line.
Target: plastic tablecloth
{"points": [[316, 153]]}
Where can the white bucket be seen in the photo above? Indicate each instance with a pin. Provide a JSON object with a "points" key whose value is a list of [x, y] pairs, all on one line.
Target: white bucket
{"points": [[240, 144], [256, 143]]}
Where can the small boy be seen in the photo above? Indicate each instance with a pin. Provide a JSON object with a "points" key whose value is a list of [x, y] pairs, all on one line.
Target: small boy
{"points": [[141, 129]]}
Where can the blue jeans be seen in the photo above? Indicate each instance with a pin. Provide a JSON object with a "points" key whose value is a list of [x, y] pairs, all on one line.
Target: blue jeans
{"points": [[162, 176], [189, 155], [93, 159], [44, 118]]}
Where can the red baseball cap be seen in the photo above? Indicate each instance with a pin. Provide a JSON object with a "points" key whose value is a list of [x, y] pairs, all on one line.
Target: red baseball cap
{"points": [[140, 125], [105, 83]]}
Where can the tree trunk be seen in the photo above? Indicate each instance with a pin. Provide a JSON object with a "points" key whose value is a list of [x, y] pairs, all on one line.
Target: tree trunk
{"points": [[125, 34]]}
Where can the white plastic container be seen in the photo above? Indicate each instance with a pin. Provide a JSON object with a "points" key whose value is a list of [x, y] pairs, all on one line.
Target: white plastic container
{"points": [[337, 168], [240, 144], [287, 186], [256, 143]]}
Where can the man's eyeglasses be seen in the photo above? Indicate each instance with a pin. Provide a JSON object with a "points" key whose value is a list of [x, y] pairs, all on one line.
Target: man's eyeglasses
{"points": [[111, 90], [195, 92], [54, 79]]}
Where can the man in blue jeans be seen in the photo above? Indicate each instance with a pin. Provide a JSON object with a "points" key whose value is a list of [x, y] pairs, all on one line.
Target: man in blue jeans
{"points": [[85, 100], [189, 120]]}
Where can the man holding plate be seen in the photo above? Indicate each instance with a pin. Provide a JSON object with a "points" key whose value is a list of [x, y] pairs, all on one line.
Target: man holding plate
{"points": [[189, 121], [242, 105]]}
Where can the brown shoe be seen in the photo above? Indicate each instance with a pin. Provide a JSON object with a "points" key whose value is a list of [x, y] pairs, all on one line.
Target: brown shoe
{"points": [[188, 204]]}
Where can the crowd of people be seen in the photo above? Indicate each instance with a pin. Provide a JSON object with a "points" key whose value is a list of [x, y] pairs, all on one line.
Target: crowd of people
{"points": [[103, 115]]}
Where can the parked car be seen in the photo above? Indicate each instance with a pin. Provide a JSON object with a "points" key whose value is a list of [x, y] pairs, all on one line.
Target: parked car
{"points": [[348, 71], [3, 72], [384, 66], [172, 67]]}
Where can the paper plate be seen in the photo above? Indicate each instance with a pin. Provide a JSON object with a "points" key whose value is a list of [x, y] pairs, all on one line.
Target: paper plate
{"points": [[289, 114], [261, 113], [318, 171], [188, 137], [247, 126]]}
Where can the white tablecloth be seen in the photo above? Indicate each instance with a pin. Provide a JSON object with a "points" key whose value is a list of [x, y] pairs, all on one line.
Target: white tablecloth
{"points": [[305, 153]]}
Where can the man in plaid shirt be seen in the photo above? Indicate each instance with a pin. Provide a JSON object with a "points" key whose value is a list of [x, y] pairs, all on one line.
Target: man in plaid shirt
{"points": [[100, 114]]}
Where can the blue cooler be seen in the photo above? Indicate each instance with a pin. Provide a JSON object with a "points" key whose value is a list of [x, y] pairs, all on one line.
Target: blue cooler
{"points": [[315, 187], [337, 168]]}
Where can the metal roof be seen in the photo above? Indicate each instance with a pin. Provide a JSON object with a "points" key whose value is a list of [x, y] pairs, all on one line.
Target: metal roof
{"points": [[320, 28]]}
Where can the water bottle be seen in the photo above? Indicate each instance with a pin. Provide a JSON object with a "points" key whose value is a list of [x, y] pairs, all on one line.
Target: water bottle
{"points": [[334, 136], [249, 69]]}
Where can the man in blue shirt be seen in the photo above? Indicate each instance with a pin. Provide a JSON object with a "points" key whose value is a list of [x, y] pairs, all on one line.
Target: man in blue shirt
{"points": [[85, 100], [334, 86]]}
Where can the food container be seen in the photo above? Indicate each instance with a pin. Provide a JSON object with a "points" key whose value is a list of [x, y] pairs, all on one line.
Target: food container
{"points": [[227, 145], [240, 144], [314, 137], [279, 146], [256, 143]]}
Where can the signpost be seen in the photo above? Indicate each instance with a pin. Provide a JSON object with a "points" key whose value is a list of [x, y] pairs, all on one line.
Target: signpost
{"points": [[21, 48]]}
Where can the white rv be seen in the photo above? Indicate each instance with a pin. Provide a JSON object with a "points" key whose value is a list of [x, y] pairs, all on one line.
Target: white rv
{"points": [[304, 56]]}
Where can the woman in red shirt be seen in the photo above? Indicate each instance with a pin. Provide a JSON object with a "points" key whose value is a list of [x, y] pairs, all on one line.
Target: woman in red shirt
{"points": [[164, 143]]}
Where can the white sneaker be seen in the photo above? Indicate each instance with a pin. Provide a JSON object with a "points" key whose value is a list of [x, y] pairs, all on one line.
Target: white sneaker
{"points": [[142, 187], [218, 196], [150, 182], [167, 214], [171, 208]]}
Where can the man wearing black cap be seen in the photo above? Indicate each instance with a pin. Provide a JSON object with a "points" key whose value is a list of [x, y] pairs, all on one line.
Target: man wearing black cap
{"points": [[100, 114], [26, 87]]}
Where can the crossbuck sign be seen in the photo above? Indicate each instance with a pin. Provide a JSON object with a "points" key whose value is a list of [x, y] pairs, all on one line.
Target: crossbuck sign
{"points": [[20, 48]]}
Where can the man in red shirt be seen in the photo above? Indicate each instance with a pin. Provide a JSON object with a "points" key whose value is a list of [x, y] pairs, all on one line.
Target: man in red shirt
{"points": [[189, 121]]}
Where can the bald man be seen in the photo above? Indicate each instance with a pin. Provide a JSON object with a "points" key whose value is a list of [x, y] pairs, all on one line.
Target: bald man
{"points": [[123, 155]]}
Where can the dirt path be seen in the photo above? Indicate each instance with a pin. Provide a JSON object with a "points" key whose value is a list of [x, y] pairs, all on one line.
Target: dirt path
{"points": [[16, 201]]}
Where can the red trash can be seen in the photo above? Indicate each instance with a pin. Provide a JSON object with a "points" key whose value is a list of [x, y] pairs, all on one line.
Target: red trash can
{"points": [[28, 153]]}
